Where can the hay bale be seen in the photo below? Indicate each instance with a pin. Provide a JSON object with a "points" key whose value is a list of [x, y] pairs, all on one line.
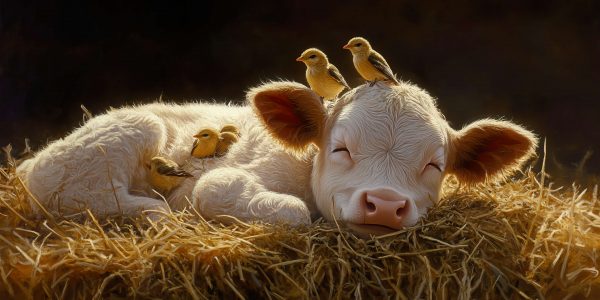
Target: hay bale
{"points": [[517, 239]]}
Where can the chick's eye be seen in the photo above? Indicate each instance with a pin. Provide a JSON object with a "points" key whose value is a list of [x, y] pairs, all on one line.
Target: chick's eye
{"points": [[205, 135], [312, 56], [358, 44], [434, 165]]}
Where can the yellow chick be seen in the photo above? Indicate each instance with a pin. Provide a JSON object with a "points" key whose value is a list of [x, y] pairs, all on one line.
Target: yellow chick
{"points": [[228, 136], [165, 174], [231, 128], [226, 139], [369, 64], [205, 143], [323, 78]]}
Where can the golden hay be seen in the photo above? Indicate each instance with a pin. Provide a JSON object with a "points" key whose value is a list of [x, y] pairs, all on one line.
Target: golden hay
{"points": [[518, 239]]}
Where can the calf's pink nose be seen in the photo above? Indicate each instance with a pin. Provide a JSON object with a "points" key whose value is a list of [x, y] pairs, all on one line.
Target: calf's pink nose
{"points": [[386, 210]]}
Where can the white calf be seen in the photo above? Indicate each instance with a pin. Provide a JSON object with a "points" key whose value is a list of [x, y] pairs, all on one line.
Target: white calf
{"points": [[375, 161]]}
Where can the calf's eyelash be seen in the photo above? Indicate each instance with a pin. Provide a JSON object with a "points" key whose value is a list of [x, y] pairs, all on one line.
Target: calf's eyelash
{"points": [[340, 149], [435, 166]]}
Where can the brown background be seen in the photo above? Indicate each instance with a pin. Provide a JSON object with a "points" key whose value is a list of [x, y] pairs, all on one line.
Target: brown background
{"points": [[536, 63]]}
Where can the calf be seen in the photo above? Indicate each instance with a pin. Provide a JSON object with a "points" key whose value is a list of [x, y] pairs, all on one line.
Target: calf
{"points": [[374, 161]]}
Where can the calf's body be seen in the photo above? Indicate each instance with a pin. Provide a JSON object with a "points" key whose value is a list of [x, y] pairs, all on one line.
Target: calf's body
{"points": [[101, 166], [374, 161]]}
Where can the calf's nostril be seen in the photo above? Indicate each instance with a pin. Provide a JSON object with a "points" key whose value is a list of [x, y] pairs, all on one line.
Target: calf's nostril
{"points": [[370, 206], [399, 211], [401, 207]]}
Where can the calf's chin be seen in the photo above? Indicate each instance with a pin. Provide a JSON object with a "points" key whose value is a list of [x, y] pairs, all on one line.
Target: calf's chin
{"points": [[384, 150]]}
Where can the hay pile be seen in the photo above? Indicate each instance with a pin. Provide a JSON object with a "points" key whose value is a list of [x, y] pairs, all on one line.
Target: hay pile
{"points": [[518, 239]]}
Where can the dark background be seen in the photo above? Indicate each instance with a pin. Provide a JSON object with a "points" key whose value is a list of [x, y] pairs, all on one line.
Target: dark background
{"points": [[536, 63]]}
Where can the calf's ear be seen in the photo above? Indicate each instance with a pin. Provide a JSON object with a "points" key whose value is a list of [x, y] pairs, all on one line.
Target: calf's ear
{"points": [[292, 113], [489, 149]]}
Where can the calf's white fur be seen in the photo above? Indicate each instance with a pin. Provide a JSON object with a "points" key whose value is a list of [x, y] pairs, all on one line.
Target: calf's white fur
{"points": [[374, 161]]}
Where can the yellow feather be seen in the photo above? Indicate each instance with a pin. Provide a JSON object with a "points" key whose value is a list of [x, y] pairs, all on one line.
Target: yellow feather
{"points": [[317, 74], [161, 182], [205, 143]]}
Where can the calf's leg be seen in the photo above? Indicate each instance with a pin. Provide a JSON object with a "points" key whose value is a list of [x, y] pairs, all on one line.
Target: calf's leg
{"points": [[93, 167], [237, 193]]}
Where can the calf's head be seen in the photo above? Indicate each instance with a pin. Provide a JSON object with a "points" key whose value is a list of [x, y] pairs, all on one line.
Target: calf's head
{"points": [[383, 150]]}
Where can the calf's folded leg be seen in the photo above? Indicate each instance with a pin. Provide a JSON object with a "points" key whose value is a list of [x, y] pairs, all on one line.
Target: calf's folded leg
{"points": [[237, 193]]}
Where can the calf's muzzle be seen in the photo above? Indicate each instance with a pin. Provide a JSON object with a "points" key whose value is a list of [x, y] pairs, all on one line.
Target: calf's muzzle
{"points": [[385, 207]]}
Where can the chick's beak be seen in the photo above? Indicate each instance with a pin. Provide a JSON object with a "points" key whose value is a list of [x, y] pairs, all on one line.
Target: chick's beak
{"points": [[299, 59], [347, 46]]}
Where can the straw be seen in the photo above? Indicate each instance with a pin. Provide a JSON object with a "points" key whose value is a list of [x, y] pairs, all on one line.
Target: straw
{"points": [[517, 239]]}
